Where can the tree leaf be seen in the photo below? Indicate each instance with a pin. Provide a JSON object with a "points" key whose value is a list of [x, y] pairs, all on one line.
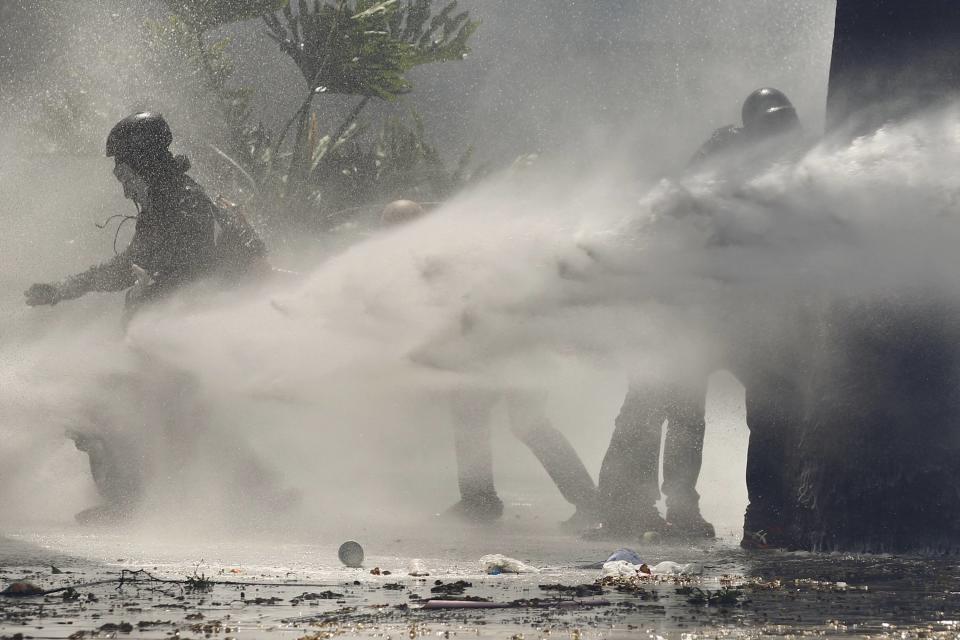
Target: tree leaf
{"points": [[380, 7]]}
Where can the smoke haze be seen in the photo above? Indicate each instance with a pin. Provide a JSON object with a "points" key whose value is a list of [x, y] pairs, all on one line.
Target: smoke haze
{"points": [[555, 279]]}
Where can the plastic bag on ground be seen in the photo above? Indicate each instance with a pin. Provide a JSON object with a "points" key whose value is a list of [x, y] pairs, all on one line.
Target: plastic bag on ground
{"points": [[627, 555], [624, 569], [621, 569], [496, 563]]}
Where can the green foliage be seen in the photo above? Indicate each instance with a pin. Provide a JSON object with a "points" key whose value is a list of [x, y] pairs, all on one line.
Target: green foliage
{"points": [[396, 162], [355, 171], [350, 47], [206, 14], [365, 47], [315, 177], [438, 38]]}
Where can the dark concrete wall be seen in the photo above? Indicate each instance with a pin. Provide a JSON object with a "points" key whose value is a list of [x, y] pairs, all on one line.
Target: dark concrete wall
{"points": [[876, 465], [891, 57]]}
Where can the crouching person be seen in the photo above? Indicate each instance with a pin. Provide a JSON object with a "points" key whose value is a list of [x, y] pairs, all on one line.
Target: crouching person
{"points": [[181, 236]]}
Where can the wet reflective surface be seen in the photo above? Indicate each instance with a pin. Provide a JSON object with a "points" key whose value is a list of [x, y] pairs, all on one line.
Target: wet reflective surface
{"points": [[295, 589]]}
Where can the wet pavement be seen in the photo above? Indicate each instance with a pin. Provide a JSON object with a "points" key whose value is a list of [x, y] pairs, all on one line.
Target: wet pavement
{"points": [[167, 586]]}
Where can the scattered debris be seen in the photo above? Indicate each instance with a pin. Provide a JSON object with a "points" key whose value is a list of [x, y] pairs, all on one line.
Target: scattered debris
{"points": [[633, 588], [725, 596], [147, 624], [464, 604], [198, 582], [22, 590], [323, 595], [495, 564], [578, 590], [450, 588], [623, 569], [351, 554], [70, 594], [531, 603]]}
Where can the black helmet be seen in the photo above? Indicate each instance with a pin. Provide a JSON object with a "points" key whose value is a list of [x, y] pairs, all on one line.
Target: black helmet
{"points": [[761, 101], [141, 135], [774, 121]]}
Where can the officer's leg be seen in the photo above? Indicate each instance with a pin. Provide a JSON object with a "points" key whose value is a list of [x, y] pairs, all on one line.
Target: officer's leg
{"points": [[115, 458], [471, 437], [682, 459], [768, 418], [628, 475], [530, 425]]}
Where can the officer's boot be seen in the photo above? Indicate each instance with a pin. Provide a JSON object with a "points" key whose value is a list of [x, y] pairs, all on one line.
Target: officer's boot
{"points": [[479, 508], [628, 476], [763, 527], [479, 502], [685, 519], [627, 500], [567, 471], [107, 478], [558, 457]]}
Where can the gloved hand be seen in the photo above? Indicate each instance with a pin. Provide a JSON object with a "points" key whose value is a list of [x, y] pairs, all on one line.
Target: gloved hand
{"points": [[40, 294]]}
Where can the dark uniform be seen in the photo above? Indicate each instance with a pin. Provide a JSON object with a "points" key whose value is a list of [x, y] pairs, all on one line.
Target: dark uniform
{"points": [[173, 244], [628, 476], [180, 237]]}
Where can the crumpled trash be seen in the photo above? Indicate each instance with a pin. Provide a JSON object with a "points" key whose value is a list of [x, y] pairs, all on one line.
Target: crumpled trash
{"points": [[495, 564], [624, 569], [627, 555]]}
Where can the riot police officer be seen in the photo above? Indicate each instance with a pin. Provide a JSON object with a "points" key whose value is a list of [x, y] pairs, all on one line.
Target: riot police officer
{"points": [[628, 476]]}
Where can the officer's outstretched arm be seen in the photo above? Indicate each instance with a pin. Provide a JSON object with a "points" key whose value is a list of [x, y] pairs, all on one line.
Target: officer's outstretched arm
{"points": [[115, 274]]}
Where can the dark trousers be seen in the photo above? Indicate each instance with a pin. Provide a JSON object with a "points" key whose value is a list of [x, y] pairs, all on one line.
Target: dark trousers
{"points": [[628, 476], [772, 410], [530, 425]]}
